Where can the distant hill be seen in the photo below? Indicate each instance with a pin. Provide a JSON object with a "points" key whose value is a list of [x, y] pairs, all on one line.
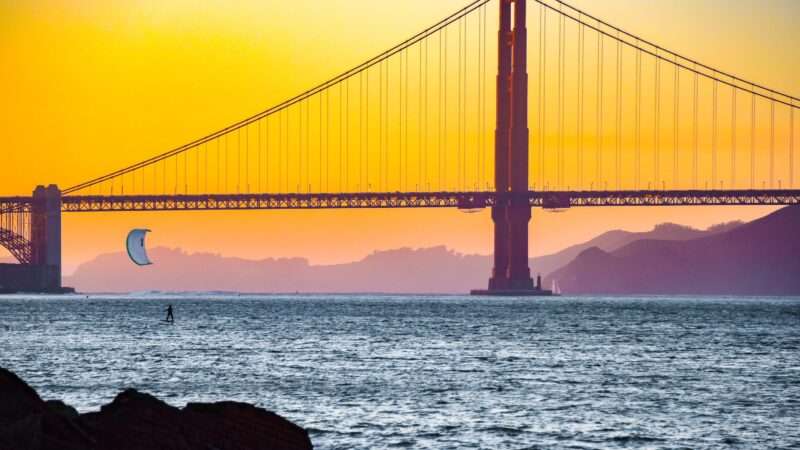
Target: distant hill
{"points": [[430, 270], [405, 270], [761, 257], [612, 240]]}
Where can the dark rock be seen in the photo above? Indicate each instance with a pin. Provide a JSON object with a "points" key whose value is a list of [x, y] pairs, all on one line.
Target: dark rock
{"points": [[19, 399], [138, 421], [59, 407]]}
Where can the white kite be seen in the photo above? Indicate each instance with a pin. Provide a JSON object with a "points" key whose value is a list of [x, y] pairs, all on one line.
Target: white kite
{"points": [[135, 245]]}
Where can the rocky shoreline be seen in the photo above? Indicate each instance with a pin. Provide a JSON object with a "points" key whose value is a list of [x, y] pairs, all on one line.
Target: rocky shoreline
{"points": [[136, 421]]}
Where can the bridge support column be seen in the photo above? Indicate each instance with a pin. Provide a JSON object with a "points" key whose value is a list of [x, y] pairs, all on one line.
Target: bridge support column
{"points": [[46, 237], [499, 279], [511, 274]]}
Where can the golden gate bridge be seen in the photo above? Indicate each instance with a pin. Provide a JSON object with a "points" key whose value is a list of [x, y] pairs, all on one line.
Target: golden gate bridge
{"points": [[442, 120]]}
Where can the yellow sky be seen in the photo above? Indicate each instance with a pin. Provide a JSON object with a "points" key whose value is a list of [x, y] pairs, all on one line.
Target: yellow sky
{"points": [[90, 86]]}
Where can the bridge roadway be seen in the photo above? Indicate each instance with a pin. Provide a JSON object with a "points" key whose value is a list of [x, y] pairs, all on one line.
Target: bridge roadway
{"points": [[462, 200]]}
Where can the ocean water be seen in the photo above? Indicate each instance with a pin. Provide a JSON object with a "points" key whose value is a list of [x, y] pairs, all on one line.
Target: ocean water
{"points": [[436, 372]]}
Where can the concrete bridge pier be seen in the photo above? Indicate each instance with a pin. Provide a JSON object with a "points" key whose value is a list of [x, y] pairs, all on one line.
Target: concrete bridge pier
{"points": [[46, 238]]}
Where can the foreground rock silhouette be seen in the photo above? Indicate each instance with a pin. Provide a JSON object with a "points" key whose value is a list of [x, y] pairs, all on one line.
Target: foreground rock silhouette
{"points": [[137, 421]]}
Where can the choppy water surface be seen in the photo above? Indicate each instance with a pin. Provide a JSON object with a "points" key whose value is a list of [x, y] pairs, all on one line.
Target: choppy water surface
{"points": [[436, 372]]}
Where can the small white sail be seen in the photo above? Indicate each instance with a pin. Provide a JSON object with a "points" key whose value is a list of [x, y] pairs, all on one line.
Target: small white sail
{"points": [[135, 246]]}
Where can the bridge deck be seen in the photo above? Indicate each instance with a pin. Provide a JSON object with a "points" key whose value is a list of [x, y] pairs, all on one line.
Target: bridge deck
{"points": [[463, 200]]}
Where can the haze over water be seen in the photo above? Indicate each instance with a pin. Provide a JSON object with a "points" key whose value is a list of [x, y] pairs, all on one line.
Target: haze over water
{"points": [[442, 372]]}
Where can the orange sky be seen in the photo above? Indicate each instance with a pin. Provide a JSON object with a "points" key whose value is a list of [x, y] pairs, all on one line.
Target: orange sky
{"points": [[90, 86]]}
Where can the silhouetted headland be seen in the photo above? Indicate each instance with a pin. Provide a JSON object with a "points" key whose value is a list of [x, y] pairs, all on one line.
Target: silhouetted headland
{"points": [[761, 257]]}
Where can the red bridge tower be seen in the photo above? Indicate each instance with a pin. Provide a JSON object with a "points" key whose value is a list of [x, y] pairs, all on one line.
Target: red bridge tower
{"points": [[512, 212]]}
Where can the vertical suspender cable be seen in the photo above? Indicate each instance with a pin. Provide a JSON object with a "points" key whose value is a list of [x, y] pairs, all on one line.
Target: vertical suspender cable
{"points": [[543, 97], [419, 122], [227, 167], [279, 151], [424, 175], [485, 176], [733, 138], [287, 142], [657, 129], [368, 149], [464, 104], [580, 103], [442, 105], [328, 136], [266, 156], [618, 151], [458, 111], [360, 131], [347, 133], [308, 145], [600, 86], [341, 140], [405, 119], [752, 141], [478, 98], [772, 144], [400, 121], [439, 114], [299, 179], [560, 155], [638, 120], [238, 161], [247, 158], [791, 147], [695, 130], [676, 124], [319, 147], [380, 126], [714, 137]]}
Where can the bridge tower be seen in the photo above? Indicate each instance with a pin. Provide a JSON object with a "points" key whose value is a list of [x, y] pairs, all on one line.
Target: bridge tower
{"points": [[46, 237], [511, 274]]}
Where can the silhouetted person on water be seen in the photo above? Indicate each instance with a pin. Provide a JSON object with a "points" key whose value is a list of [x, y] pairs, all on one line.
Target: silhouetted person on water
{"points": [[170, 317]]}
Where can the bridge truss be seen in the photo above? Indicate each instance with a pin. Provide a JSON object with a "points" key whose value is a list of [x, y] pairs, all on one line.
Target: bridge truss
{"points": [[461, 200]]}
